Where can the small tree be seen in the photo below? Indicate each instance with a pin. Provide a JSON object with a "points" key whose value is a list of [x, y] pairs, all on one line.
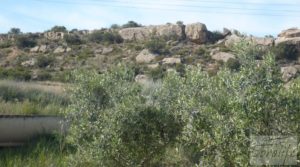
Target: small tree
{"points": [[115, 26], [15, 31], [130, 24], [157, 45], [59, 29]]}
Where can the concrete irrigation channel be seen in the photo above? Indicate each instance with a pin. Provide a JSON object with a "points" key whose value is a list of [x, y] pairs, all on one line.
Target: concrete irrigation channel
{"points": [[16, 129]]}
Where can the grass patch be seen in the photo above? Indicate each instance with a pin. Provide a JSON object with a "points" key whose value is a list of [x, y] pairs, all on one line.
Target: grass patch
{"points": [[31, 98], [44, 151]]}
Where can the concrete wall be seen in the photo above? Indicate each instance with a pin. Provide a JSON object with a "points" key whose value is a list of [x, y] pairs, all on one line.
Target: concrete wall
{"points": [[15, 130]]}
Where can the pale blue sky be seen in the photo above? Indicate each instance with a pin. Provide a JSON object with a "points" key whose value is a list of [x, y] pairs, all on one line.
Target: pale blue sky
{"points": [[257, 17]]}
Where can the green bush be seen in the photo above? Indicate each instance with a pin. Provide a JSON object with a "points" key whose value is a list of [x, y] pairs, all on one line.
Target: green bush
{"points": [[115, 26], [286, 51], [73, 40], [147, 133], [209, 120], [59, 29], [5, 44], [44, 61], [157, 46], [233, 64], [18, 73], [105, 37], [44, 76], [215, 36], [25, 42]]}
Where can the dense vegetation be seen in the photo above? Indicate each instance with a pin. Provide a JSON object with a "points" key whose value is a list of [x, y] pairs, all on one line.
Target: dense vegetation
{"points": [[189, 117], [182, 120]]}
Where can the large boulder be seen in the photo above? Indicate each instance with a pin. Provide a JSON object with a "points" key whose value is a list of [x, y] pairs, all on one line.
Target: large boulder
{"points": [[144, 33], [232, 39], [288, 73], [29, 63], [171, 60], [263, 41], [43, 48], [136, 33], [59, 49], [145, 56], [223, 56], [289, 36], [107, 50], [290, 33], [196, 32], [169, 30], [35, 49]]}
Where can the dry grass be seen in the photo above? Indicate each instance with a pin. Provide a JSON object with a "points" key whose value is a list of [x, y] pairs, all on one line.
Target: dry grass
{"points": [[47, 86], [32, 98]]}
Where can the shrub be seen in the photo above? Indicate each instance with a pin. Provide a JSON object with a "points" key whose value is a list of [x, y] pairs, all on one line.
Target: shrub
{"points": [[233, 64], [286, 51], [73, 40], [147, 132], [105, 37], [5, 44], [25, 42], [59, 29], [215, 36], [44, 76], [44, 61], [115, 26], [18, 73], [157, 45], [110, 120], [157, 73], [209, 118]]}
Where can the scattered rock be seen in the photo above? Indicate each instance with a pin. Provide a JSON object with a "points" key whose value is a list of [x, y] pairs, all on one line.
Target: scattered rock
{"points": [[145, 56], [107, 50], [214, 51], [35, 49], [232, 39], [288, 73], [43, 48], [142, 79], [263, 41], [153, 66], [226, 32], [68, 49], [54, 35], [223, 56], [196, 32], [59, 49], [29, 63], [98, 51], [171, 60]]}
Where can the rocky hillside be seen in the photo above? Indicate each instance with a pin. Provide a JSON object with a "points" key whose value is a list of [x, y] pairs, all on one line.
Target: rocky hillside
{"points": [[153, 50]]}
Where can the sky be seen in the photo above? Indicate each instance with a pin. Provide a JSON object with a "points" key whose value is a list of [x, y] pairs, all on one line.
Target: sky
{"points": [[253, 17]]}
